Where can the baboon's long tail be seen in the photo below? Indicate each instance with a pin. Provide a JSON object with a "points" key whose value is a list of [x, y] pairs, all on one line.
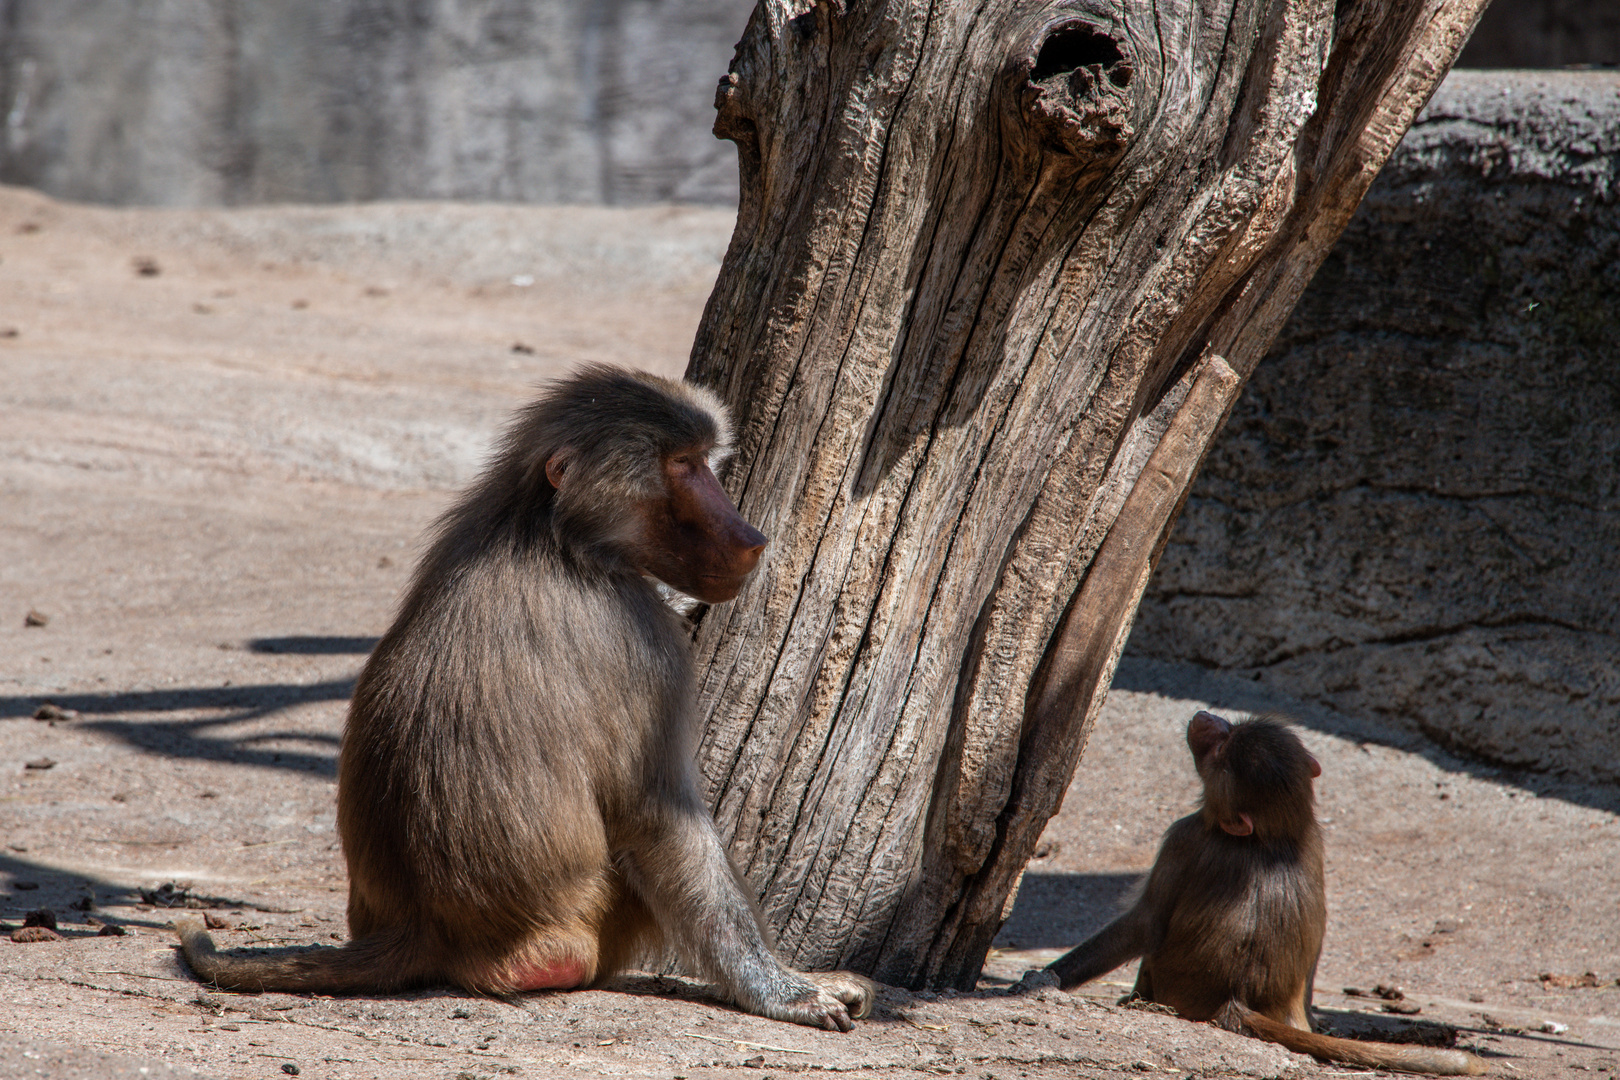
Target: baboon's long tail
{"points": [[1412, 1059], [377, 964]]}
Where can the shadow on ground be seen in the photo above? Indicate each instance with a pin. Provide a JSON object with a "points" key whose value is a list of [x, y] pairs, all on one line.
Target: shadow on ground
{"points": [[307, 645], [74, 896], [1058, 911], [118, 713], [191, 737], [1375, 1027], [1228, 693]]}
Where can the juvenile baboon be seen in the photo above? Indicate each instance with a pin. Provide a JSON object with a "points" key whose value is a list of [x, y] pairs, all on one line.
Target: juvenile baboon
{"points": [[1229, 924], [516, 789]]}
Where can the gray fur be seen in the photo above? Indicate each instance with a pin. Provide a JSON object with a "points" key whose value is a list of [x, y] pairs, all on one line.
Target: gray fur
{"points": [[516, 785]]}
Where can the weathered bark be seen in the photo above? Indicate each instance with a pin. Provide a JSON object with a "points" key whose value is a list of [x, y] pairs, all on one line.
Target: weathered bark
{"points": [[998, 274]]}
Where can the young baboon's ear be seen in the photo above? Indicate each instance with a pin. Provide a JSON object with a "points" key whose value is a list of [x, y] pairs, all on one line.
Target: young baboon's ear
{"points": [[556, 466]]}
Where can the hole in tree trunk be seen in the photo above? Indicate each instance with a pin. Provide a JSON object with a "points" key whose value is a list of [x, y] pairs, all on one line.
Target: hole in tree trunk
{"points": [[1075, 47], [1074, 96]]}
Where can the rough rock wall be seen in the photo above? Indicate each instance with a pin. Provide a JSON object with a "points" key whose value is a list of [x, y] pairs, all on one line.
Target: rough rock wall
{"points": [[1415, 508], [225, 102], [1545, 34]]}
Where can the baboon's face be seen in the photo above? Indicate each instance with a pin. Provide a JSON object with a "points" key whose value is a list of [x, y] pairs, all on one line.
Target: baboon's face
{"points": [[695, 539]]}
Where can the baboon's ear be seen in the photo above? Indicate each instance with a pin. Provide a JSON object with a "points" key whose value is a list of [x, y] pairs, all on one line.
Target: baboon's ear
{"points": [[557, 466]]}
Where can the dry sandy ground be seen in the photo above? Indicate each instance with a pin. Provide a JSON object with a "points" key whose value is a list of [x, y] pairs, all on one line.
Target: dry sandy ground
{"points": [[213, 478]]}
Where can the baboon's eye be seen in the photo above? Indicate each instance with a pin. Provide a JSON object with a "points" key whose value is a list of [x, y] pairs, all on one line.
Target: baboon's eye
{"points": [[687, 461]]}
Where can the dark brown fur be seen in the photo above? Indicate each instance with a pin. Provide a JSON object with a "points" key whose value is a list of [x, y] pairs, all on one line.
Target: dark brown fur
{"points": [[1229, 924], [516, 791]]}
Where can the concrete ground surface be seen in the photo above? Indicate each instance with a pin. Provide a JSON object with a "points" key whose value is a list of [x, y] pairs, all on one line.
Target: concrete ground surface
{"points": [[222, 435]]}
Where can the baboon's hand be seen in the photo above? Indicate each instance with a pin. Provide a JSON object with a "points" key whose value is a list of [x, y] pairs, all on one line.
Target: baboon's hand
{"points": [[857, 992], [828, 1000]]}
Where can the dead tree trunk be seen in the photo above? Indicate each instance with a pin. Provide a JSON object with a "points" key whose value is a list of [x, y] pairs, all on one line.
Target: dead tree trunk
{"points": [[999, 271]]}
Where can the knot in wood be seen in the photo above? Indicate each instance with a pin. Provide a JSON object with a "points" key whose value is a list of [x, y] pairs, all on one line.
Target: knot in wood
{"points": [[731, 121], [1075, 91]]}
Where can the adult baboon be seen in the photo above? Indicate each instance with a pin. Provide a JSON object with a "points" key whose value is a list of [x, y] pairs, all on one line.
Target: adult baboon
{"points": [[516, 792]]}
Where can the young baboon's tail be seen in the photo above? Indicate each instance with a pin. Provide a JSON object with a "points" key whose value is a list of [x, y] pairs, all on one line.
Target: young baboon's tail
{"points": [[378, 964], [1412, 1059]]}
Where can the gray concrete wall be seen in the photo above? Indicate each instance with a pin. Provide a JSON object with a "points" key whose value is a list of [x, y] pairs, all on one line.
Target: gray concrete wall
{"points": [[225, 102], [1415, 508]]}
